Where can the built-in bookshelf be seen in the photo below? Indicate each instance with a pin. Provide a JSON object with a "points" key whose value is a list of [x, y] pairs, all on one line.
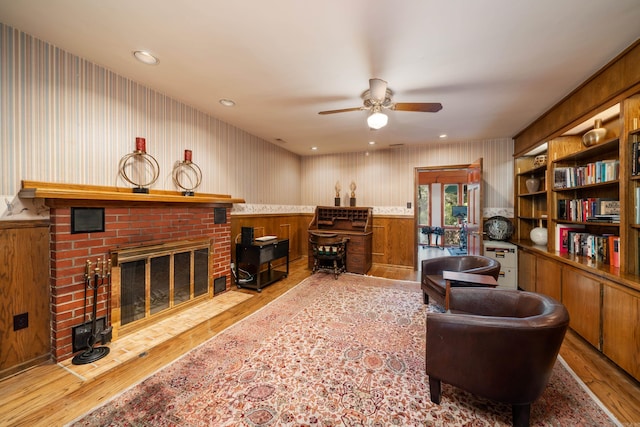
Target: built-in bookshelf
{"points": [[586, 200], [531, 193], [591, 262]]}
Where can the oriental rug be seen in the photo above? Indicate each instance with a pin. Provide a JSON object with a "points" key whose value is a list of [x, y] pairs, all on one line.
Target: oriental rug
{"points": [[345, 352]]}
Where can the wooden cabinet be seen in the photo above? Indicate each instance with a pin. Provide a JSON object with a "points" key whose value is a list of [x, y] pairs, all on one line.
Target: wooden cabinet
{"points": [[581, 295], [621, 327], [604, 307], [549, 278], [25, 319], [526, 271], [539, 274]]}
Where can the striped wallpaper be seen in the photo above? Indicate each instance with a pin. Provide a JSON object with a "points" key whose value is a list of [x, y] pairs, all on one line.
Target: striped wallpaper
{"points": [[386, 177], [65, 119]]}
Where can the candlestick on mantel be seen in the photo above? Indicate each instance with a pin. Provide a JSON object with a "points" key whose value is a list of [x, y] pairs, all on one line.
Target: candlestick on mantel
{"points": [[141, 145]]}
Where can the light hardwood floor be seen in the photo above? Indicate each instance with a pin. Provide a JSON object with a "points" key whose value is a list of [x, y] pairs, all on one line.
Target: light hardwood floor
{"points": [[54, 394]]}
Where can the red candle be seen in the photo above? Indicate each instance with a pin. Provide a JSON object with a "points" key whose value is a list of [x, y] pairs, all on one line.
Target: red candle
{"points": [[141, 145], [187, 155]]}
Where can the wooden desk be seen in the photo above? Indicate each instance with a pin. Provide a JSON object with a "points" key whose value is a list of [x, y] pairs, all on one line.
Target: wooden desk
{"points": [[353, 223], [479, 279]]}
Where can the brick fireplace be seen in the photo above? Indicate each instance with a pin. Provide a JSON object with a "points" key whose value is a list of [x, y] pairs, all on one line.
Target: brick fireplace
{"points": [[129, 220]]}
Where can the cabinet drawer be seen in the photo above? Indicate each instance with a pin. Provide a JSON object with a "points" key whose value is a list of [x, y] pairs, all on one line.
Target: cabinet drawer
{"points": [[280, 249], [508, 278], [355, 247], [506, 256], [276, 250]]}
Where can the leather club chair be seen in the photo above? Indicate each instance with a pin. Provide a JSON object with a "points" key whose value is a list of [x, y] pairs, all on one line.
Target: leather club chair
{"points": [[500, 344], [434, 286]]}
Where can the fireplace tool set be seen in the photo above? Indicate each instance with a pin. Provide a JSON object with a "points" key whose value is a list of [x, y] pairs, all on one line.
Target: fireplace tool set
{"points": [[94, 278]]}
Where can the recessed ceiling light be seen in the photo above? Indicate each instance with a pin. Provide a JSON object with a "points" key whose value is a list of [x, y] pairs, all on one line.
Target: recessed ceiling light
{"points": [[146, 57], [314, 148], [444, 135], [372, 143], [227, 102]]}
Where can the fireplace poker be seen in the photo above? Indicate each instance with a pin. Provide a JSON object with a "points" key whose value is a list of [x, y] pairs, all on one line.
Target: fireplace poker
{"points": [[93, 353]]}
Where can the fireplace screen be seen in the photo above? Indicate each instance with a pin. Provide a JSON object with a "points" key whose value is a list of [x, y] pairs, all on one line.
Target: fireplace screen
{"points": [[153, 282]]}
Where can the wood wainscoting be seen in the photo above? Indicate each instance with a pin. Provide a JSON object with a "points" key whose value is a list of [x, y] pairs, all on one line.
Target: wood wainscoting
{"points": [[393, 240], [24, 292], [393, 236]]}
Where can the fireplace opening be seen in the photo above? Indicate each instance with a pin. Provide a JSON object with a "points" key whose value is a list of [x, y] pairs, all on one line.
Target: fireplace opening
{"points": [[153, 280]]}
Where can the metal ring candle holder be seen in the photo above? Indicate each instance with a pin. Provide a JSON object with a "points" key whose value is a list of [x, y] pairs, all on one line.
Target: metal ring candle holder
{"points": [[192, 173], [148, 162]]}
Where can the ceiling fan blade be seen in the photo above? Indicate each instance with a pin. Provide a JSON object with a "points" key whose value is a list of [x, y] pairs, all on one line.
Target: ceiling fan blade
{"points": [[344, 110], [377, 89], [425, 107]]}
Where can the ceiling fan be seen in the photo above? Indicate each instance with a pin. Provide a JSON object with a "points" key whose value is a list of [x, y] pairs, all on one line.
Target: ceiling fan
{"points": [[378, 98]]}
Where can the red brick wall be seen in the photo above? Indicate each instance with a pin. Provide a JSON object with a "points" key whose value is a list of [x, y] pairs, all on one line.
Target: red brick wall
{"points": [[123, 226]]}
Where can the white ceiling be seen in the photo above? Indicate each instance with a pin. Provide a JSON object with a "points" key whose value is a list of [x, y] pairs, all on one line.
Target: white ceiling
{"points": [[495, 65]]}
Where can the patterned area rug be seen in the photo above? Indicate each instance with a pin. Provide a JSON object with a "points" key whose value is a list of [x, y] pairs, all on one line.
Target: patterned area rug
{"points": [[346, 352]]}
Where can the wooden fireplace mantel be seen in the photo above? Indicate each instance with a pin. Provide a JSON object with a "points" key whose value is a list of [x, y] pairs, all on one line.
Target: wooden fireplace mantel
{"points": [[53, 192]]}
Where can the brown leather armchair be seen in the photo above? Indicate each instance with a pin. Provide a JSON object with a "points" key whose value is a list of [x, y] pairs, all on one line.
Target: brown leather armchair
{"points": [[434, 286], [496, 343]]}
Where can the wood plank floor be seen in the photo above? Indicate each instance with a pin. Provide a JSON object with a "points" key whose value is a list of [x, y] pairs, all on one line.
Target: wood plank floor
{"points": [[54, 394]]}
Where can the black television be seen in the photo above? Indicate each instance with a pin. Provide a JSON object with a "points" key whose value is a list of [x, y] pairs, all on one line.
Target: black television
{"points": [[459, 211]]}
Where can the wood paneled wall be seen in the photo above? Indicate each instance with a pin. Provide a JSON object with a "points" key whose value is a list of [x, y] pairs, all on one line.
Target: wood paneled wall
{"points": [[393, 240], [393, 236], [24, 288]]}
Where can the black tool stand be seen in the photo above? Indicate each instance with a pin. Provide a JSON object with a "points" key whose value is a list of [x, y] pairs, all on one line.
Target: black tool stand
{"points": [[100, 277]]}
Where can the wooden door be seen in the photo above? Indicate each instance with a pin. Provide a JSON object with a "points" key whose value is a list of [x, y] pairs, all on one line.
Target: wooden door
{"points": [[474, 198]]}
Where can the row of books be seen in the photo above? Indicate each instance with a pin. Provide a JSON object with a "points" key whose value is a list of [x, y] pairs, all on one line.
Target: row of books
{"points": [[603, 248], [593, 209], [591, 173]]}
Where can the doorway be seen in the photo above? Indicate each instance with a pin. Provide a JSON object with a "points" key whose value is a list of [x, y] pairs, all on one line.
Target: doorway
{"points": [[448, 203]]}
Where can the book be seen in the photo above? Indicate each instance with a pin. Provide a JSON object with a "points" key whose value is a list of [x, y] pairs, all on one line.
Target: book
{"points": [[562, 236], [637, 205], [614, 246], [609, 207], [266, 238], [561, 177]]}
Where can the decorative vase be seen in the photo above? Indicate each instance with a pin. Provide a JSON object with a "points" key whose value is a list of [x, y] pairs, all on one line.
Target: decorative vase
{"points": [[532, 184], [539, 235], [595, 135]]}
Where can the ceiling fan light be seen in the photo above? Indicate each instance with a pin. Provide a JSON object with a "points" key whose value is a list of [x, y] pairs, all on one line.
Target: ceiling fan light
{"points": [[377, 120]]}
